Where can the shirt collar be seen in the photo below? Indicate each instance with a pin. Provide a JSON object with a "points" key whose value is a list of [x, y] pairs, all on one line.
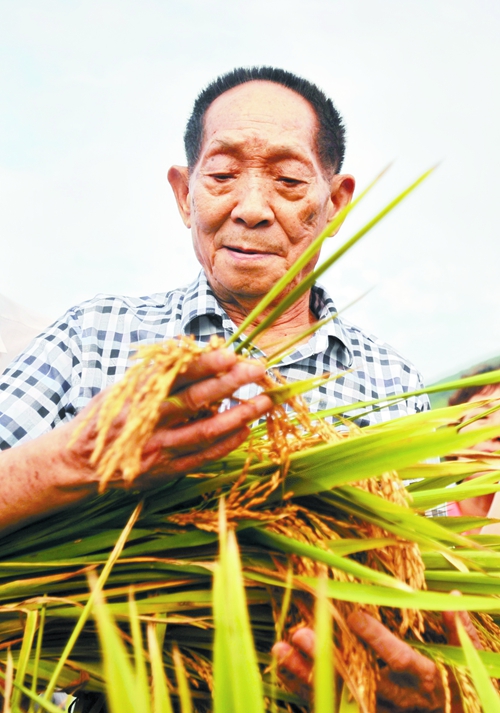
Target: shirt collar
{"points": [[323, 306], [200, 301]]}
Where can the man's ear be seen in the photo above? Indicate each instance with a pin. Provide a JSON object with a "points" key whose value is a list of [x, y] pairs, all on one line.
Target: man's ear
{"points": [[341, 191], [178, 177]]}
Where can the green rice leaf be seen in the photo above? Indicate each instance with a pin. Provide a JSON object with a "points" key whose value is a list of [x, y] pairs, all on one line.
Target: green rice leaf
{"points": [[491, 377], [349, 546], [280, 625], [122, 690], [348, 705], [440, 475], [481, 559], [141, 674], [29, 635], [90, 601], [466, 582], [37, 700], [374, 453], [462, 524], [399, 520], [323, 671], [160, 692], [455, 656], [287, 347], [487, 694], [237, 680], [34, 675], [431, 498], [288, 544], [283, 392], [383, 596], [182, 682]]}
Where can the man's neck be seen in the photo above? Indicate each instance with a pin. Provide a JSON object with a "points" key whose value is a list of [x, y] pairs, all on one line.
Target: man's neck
{"points": [[296, 320]]}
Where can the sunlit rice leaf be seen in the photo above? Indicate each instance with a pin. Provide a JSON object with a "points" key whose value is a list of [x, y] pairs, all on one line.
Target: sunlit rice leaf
{"points": [[455, 656], [440, 475], [122, 690], [283, 392], [383, 596], [240, 685], [287, 347], [431, 498], [182, 682], [159, 689], [373, 454], [324, 674], [463, 524], [491, 377]]}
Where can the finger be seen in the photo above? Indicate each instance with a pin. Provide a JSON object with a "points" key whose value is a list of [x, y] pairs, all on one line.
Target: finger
{"points": [[210, 391], [450, 623], [162, 471], [206, 365], [294, 667], [403, 697], [398, 655], [200, 435], [304, 639]]}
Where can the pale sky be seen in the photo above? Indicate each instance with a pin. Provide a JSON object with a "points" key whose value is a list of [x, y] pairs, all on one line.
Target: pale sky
{"points": [[94, 96]]}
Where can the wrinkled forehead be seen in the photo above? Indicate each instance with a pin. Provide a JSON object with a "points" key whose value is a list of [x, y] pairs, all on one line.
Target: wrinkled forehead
{"points": [[261, 109]]}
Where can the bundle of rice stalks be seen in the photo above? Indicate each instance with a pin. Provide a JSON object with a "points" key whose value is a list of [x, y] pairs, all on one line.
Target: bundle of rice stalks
{"points": [[309, 503], [306, 501]]}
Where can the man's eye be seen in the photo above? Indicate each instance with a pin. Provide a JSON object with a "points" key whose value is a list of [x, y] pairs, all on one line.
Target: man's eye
{"points": [[221, 176], [287, 181]]}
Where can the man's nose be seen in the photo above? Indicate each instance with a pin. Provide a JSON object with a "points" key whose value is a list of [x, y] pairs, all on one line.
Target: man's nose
{"points": [[253, 207]]}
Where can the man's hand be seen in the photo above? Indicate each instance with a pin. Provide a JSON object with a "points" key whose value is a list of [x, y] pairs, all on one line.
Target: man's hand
{"points": [[56, 474], [409, 683], [184, 440]]}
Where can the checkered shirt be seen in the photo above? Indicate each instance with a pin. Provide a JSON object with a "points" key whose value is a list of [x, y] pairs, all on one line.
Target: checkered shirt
{"points": [[91, 346]]}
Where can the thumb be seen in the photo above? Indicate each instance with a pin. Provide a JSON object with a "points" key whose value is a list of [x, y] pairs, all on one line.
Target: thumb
{"points": [[450, 624]]}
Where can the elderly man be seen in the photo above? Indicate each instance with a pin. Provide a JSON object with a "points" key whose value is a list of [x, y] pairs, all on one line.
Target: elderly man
{"points": [[264, 152]]}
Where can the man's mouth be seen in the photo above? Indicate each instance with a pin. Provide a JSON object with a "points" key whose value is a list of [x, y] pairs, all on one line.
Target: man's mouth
{"points": [[246, 251]]}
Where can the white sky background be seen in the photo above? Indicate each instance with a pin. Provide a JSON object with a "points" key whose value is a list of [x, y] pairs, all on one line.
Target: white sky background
{"points": [[93, 101]]}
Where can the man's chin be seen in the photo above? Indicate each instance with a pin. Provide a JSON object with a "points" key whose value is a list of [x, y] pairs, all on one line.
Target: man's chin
{"points": [[245, 285], [243, 292]]}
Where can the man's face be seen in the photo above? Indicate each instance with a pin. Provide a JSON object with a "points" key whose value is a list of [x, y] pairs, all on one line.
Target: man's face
{"points": [[258, 195]]}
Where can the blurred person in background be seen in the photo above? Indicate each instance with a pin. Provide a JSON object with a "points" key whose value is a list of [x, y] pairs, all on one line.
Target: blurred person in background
{"points": [[482, 505]]}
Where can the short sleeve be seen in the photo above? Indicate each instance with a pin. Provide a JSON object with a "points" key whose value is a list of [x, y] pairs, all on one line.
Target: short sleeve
{"points": [[38, 389], [417, 404]]}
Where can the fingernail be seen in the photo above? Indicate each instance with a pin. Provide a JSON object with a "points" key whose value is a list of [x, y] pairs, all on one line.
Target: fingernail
{"points": [[357, 619]]}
